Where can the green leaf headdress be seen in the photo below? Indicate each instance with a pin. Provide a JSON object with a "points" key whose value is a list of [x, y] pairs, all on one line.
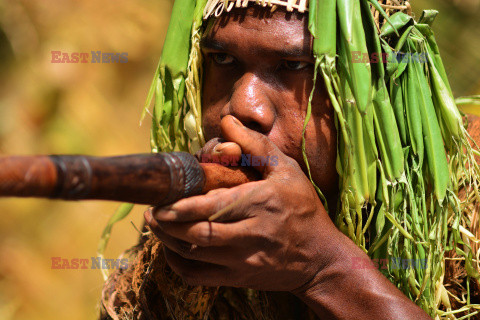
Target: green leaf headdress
{"points": [[403, 152]]}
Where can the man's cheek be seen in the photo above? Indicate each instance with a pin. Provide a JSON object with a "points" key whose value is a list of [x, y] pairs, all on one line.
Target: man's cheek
{"points": [[211, 128], [211, 118]]}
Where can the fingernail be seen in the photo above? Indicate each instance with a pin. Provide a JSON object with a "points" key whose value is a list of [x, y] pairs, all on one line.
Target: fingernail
{"points": [[222, 146], [237, 122], [164, 214], [218, 148], [148, 215]]}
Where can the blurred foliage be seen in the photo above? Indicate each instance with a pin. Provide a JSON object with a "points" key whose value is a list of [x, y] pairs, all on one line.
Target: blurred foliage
{"points": [[94, 109], [457, 29], [86, 108]]}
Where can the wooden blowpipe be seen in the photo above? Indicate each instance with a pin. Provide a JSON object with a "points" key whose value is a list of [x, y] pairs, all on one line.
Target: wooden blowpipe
{"points": [[153, 179]]}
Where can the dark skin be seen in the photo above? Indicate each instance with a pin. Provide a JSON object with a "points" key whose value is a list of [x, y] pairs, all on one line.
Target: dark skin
{"points": [[278, 236]]}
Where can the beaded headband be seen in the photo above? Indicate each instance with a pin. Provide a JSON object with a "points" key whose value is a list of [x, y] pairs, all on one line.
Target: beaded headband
{"points": [[217, 7]]}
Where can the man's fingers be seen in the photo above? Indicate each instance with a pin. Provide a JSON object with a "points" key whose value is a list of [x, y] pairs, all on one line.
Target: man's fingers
{"points": [[198, 273], [207, 234], [174, 244], [218, 151], [200, 208], [229, 149], [208, 147], [216, 255], [258, 150]]}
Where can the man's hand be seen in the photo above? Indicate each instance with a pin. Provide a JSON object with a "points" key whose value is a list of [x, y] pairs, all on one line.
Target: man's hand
{"points": [[273, 234]]}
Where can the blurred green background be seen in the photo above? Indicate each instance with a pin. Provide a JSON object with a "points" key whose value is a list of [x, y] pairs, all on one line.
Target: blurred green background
{"points": [[94, 109]]}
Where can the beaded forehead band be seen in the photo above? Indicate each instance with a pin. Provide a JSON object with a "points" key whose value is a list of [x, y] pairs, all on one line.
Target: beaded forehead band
{"points": [[214, 8]]}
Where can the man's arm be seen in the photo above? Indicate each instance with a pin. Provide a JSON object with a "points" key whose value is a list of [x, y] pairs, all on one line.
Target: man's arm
{"points": [[341, 290], [345, 291]]}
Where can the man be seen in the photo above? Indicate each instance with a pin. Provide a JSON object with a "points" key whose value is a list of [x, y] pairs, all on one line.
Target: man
{"points": [[274, 234], [280, 238]]}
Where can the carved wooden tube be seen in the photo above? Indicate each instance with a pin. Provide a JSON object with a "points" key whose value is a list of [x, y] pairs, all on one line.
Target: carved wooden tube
{"points": [[154, 179]]}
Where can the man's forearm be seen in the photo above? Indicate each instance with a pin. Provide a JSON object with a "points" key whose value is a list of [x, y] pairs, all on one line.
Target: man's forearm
{"points": [[343, 292]]}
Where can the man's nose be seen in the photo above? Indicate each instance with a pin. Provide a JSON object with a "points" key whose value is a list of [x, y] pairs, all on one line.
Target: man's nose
{"points": [[250, 103]]}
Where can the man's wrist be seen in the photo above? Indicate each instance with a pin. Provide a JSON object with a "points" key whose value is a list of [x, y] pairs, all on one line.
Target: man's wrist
{"points": [[341, 291]]}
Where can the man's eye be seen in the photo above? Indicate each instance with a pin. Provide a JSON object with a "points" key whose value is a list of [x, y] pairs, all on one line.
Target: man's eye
{"points": [[295, 65], [222, 58]]}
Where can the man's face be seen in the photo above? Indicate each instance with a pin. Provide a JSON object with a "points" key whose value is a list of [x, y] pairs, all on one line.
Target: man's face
{"points": [[259, 68]]}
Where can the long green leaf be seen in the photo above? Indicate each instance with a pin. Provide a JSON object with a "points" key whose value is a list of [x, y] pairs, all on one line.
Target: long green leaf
{"points": [[388, 135], [444, 101], [436, 157], [397, 22], [121, 213], [353, 38], [322, 24], [412, 111]]}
